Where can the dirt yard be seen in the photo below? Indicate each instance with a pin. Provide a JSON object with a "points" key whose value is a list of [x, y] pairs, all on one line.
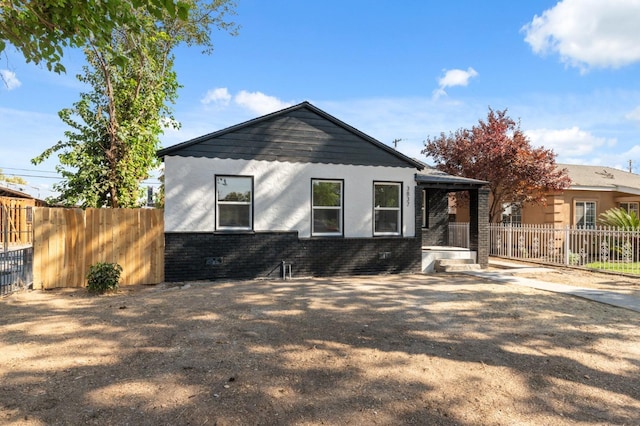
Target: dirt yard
{"points": [[438, 350]]}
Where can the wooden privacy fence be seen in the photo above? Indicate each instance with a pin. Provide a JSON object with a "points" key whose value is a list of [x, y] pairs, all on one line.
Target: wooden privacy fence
{"points": [[68, 241]]}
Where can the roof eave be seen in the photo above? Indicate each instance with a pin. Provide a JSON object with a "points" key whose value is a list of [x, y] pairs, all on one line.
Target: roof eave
{"points": [[450, 181], [628, 190]]}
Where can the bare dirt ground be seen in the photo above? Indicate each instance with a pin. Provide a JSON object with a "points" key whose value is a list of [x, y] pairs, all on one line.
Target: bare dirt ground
{"points": [[440, 349], [624, 284]]}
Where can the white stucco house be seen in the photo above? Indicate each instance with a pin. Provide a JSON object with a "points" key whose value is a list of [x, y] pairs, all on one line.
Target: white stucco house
{"points": [[298, 188]]}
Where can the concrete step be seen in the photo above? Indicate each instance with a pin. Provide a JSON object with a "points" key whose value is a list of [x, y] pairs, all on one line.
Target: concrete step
{"points": [[456, 265]]}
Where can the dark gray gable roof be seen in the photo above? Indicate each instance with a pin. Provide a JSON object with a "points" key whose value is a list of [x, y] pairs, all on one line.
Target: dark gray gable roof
{"points": [[430, 177], [301, 133]]}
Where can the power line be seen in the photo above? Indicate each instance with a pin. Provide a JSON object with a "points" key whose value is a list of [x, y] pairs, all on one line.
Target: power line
{"points": [[34, 176], [28, 170], [146, 182]]}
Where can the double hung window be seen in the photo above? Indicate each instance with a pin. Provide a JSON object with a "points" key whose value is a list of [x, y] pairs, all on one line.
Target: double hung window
{"points": [[387, 208], [326, 207], [630, 207], [512, 214], [234, 203], [585, 214]]}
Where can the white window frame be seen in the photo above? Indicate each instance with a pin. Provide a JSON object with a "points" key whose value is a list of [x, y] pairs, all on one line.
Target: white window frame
{"points": [[315, 208], [584, 205], [397, 209], [631, 206], [230, 203], [512, 213]]}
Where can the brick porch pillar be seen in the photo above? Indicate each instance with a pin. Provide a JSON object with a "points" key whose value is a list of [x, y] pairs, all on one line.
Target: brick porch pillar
{"points": [[479, 224]]}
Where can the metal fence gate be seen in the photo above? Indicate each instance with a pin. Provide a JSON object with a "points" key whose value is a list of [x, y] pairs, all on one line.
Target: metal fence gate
{"points": [[16, 252], [16, 270]]}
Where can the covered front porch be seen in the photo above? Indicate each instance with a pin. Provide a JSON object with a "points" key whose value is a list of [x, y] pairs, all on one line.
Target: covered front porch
{"points": [[435, 187]]}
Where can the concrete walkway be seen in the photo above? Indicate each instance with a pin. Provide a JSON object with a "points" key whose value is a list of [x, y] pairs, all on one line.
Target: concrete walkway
{"points": [[508, 275]]}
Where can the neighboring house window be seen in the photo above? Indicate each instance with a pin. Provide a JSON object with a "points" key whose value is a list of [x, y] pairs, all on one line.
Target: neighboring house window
{"points": [[630, 207], [326, 211], [585, 214], [234, 202], [387, 208], [512, 214]]}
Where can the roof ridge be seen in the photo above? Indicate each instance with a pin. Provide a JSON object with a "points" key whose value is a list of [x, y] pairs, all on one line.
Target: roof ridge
{"points": [[305, 104]]}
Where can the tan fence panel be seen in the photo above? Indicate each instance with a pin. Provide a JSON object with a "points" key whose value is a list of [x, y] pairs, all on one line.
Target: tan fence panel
{"points": [[58, 247], [69, 241]]}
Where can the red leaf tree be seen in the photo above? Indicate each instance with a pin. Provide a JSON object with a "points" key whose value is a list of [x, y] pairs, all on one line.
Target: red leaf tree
{"points": [[497, 151]]}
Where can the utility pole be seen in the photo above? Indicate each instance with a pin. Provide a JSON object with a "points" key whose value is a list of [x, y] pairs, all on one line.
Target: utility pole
{"points": [[395, 143], [630, 167]]}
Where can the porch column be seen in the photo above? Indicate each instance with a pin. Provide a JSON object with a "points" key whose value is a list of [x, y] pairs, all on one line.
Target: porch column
{"points": [[436, 232], [479, 224]]}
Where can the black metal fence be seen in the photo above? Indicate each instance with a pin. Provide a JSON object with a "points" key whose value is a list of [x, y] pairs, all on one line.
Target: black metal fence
{"points": [[16, 270]]}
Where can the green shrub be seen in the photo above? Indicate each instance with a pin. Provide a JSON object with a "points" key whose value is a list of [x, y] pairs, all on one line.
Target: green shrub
{"points": [[574, 258], [103, 277]]}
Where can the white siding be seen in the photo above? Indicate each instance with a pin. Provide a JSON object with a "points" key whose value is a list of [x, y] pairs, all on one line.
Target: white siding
{"points": [[282, 194]]}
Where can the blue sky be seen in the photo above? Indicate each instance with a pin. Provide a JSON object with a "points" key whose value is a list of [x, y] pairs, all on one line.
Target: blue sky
{"points": [[569, 71]]}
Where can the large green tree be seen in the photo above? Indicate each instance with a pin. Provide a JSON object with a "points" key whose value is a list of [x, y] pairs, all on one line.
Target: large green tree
{"points": [[498, 151], [115, 126], [41, 29]]}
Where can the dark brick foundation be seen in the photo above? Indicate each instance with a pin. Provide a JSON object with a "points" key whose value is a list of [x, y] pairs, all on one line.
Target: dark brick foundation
{"points": [[208, 256]]}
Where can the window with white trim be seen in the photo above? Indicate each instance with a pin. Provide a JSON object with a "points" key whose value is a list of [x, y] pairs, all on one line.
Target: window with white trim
{"points": [[387, 208], [234, 203], [630, 207], [585, 214], [326, 207], [512, 213]]}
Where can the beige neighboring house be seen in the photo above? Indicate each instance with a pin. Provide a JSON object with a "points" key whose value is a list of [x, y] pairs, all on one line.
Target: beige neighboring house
{"points": [[593, 190]]}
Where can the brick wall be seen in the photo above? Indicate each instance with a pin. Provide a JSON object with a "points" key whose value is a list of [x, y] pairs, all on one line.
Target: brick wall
{"points": [[483, 227], [479, 225], [208, 256], [437, 231]]}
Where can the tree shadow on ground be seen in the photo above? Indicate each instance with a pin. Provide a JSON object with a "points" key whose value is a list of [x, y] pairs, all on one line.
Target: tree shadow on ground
{"points": [[374, 350]]}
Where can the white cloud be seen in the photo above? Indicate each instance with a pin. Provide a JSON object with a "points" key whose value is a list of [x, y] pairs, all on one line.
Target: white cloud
{"points": [[588, 33], [633, 115], [455, 77], [568, 142], [598, 119], [219, 95], [259, 102], [9, 79]]}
